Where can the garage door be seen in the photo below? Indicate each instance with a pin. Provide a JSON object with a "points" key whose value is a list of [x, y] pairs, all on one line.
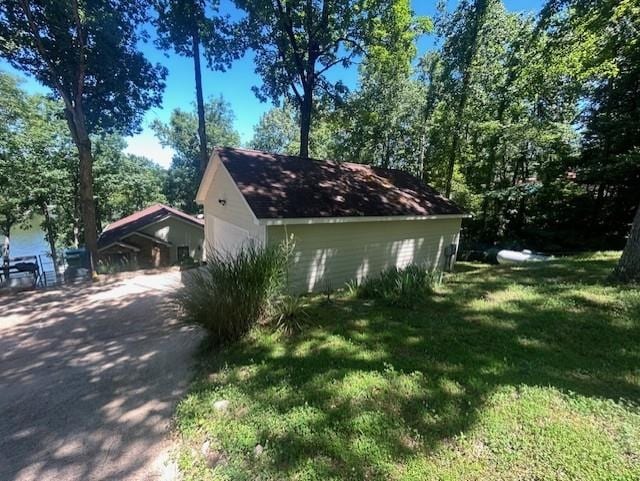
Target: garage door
{"points": [[228, 238]]}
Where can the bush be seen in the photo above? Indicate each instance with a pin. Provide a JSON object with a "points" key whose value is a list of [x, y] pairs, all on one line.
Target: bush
{"points": [[289, 314], [116, 265], [230, 294], [400, 287]]}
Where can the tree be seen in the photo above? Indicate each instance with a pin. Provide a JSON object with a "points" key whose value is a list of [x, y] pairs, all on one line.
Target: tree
{"points": [[298, 41], [49, 165], [381, 123], [14, 189], [37, 162], [276, 131], [602, 53], [628, 268], [185, 26], [87, 53], [183, 177], [124, 183], [459, 51]]}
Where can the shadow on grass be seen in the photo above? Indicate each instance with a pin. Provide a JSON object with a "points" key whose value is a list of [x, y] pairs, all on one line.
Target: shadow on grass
{"points": [[365, 380]]}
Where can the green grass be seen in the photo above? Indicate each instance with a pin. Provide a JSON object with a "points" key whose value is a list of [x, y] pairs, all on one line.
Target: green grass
{"points": [[501, 374]]}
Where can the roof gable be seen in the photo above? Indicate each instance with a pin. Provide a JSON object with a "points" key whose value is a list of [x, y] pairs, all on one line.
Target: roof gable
{"points": [[138, 220], [288, 187]]}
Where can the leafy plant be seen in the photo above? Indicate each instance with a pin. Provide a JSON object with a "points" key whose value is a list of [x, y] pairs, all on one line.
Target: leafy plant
{"points": [[232, 293], [400, 287], [289, 314], [113, 266]]}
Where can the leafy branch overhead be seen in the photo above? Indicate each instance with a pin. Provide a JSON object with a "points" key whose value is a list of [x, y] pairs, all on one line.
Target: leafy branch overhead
{"points": [[297, 42], [87, 54]]}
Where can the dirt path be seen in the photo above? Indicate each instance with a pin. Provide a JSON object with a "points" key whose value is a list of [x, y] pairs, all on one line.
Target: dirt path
{"points": [[89, 377]]}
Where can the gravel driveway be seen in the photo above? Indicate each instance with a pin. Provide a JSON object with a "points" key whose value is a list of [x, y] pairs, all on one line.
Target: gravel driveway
{"points": [[89, 377]]}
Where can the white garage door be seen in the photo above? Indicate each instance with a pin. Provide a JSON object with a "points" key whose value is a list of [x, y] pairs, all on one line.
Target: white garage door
{"points": [[228, 238]]}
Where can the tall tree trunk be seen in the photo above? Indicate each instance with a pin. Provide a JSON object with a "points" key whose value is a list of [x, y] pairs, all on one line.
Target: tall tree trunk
{"points": [[87, 204], [479, 14], [305, 121], [76, 123], [202, 131], [628, 268]]}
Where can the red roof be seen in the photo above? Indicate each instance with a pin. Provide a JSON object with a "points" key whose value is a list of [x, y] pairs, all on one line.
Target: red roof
{"points": [[138, 220]]}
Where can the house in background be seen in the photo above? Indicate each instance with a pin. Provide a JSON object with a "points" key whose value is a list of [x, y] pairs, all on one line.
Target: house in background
{"points": [[348, 221], [153, 237]]}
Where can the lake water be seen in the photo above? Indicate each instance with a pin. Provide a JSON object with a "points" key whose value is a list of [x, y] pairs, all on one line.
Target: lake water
{"points": [[30, 241]]}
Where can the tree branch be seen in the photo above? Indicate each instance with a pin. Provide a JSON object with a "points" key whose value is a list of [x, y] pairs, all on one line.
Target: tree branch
{"points": [[43, 53], [331, 64], [292, 38], [81, 57]]}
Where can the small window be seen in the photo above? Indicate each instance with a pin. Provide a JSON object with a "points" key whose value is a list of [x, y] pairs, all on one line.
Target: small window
{"points": [[183, 252]]}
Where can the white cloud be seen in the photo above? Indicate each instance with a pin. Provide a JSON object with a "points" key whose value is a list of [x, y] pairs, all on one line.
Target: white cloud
{"points": [[147, 145]]}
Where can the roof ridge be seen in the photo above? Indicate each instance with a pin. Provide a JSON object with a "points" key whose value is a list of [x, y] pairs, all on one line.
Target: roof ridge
{"points": [[155, 207], [324, 161]]}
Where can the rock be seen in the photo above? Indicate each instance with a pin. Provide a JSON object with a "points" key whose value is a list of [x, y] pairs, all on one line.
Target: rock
{"points": [[221, 406], [258, 450], [204, 449], [215, 458]]}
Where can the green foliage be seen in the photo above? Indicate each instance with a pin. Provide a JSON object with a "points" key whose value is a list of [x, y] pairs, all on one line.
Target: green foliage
{"points": [[277, 132], [37, 163], [509, 373], [297, 42], [232, 293], [15, 111], [124, 183], [180, 133], [177, 22], [380, 123], [405, 287], [87, 54], [117, 83], [289, 314], [113, 267]]}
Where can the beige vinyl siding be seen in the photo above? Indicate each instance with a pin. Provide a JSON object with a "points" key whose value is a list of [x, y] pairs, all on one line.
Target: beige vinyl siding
{"points": [[328, 255], [178, 233], [235, 210]]}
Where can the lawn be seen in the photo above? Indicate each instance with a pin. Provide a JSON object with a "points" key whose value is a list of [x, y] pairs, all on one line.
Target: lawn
{"points": [[502, 374]]}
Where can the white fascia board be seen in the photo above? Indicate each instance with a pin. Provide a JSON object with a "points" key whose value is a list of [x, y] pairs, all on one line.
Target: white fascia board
{"points": [[121, 244], [150, 237], [169, 216], [343, 220], [207, 178]]}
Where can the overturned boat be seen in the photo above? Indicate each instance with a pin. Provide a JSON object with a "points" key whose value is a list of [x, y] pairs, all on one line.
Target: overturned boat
{"points": [[518, 257]]}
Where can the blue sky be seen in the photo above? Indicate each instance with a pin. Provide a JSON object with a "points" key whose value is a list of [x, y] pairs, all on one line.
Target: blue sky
{"points": [[234, 84]]}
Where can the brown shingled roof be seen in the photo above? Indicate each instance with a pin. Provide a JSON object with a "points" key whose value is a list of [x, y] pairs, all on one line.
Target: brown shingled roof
{"points": [[288, 187], [138, 220]]}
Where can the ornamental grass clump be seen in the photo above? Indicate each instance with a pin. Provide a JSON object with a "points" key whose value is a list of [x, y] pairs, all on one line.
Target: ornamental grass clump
{"points": [[232, 293], [400, 287]]}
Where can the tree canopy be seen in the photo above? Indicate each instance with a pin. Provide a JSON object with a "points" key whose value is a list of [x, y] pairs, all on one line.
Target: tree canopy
{"points": [[87, 53], [180, 133]]}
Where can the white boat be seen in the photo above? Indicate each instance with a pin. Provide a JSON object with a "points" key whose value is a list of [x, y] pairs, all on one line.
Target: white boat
{"points": [[518, 257]]}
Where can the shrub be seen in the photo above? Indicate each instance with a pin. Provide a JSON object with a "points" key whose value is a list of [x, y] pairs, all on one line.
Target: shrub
{"points": [[289, 314], [400, 287], [116, 265], [231, 293]]}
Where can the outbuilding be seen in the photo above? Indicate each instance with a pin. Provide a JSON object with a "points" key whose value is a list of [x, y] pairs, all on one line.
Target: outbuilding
{"points": [[156, 236], [348, 221]]}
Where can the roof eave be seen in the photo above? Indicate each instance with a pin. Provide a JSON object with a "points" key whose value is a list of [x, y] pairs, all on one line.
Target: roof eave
{"points": [[343, 220]]}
